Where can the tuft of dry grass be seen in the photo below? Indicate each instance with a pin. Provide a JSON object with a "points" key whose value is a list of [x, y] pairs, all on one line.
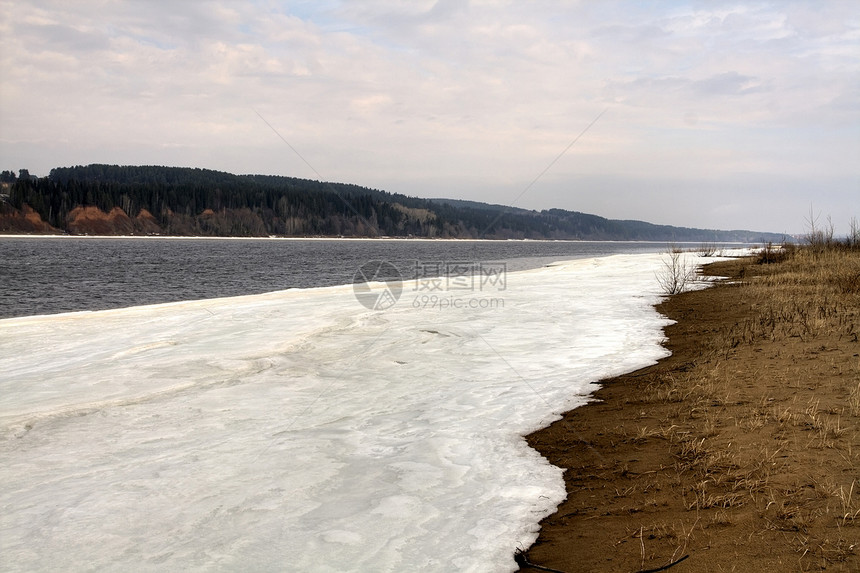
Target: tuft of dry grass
{"points": [[854, 400]]}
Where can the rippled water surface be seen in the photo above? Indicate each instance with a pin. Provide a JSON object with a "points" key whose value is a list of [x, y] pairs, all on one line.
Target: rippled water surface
{"points": [[51, 275]]}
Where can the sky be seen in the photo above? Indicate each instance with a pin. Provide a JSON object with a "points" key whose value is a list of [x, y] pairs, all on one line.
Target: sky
{"points": [[726, 115]]}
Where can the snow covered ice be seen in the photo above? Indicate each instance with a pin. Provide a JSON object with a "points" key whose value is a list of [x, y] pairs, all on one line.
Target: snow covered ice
{"points": [[300, 431]]}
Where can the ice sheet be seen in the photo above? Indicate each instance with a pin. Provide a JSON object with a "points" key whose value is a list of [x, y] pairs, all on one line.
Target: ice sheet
{"points": [[299, 431]]}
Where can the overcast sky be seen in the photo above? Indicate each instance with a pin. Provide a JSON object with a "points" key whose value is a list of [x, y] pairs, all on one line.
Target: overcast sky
{"points": [[715, 114]]}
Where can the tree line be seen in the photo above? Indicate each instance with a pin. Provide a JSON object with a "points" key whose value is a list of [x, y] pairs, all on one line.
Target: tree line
{"points": [[190, 201]]}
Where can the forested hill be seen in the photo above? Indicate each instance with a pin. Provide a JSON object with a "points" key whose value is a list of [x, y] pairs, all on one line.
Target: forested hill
{"points": [[152, 200]]}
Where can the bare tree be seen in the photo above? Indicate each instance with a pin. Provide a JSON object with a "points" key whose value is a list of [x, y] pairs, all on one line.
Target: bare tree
{"points": [[853, 233], [708, 249], [813, 234], [818, 236], [676, 272]]}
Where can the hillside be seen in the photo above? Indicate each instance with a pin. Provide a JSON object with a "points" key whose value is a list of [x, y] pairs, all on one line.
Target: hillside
{"points": [[153, 200]]}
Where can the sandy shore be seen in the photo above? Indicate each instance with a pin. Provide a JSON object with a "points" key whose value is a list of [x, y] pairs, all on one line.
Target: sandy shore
{"points": [[741, 451]]}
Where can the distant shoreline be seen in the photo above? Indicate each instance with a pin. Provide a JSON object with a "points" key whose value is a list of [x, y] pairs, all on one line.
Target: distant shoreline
{"points": [[119, 200], [404, 239]]}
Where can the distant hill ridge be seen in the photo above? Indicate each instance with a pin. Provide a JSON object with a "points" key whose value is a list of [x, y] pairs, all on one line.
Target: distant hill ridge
{"points": [[153, 200]]}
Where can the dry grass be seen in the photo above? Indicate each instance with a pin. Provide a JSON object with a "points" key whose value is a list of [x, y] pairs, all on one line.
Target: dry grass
{"points": [[854, 400], [798, 296], [752, 435]]}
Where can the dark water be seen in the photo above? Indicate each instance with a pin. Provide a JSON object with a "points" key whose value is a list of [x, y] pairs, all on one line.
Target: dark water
{"points": [[53, 275]]}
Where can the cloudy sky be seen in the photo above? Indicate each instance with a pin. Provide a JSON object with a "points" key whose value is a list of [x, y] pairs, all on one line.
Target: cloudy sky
{"points": [[714, 114]]}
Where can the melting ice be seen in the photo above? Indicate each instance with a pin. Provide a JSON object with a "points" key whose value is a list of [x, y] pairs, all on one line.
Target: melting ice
{"points": [[299, 431]]}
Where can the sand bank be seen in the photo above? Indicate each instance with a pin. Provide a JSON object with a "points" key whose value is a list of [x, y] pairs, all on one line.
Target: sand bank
{"points": [[741, 450]]}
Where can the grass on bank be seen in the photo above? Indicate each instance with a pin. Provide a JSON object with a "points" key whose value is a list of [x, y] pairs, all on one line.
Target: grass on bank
{"points": [[782, 464], [742, 449], [790, 461]]}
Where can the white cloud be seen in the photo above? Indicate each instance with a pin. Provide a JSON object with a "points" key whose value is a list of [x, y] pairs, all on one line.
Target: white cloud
{"points": [[442, 98]]}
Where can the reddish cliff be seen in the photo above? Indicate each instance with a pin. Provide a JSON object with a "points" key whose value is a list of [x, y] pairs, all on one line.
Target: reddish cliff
{"points": [[146, 224], [25, 221], [91, 220], [94, 221]]}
